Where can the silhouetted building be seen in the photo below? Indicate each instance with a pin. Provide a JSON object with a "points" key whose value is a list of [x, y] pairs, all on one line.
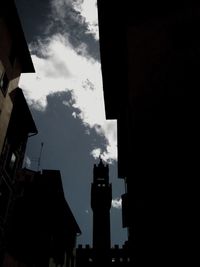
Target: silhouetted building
{"points": [[101, 254], [85, 256], [101, 197], [150, 55], [42, 231], [118, 257], [16, 122]]}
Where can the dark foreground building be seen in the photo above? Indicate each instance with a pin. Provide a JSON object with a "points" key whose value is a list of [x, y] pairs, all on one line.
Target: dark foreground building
{"points": [[42, 231], [16, 122], [37, 227], [12, 156], [150, 54]]}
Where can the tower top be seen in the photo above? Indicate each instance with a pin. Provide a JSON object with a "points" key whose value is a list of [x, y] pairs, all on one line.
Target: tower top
{"points": [[101, 170], [101, 164]]}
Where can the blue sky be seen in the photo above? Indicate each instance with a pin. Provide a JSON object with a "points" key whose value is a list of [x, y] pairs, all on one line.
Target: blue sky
{"points": [[65, 96]]}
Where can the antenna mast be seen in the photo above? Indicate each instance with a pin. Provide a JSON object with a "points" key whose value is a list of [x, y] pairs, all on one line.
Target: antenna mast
{"points": [[39, 159]]}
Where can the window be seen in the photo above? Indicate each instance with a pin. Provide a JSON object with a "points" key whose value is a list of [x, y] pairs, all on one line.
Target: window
{"points": [[101, 185], [11, 163], [4, 81]]}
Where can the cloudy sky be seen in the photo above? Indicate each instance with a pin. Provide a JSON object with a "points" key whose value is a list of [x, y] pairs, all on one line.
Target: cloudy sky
{"points": [[65, 96]]}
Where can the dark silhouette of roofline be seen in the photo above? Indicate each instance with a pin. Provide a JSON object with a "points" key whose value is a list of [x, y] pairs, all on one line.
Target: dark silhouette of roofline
{"points": [[9, 12]]}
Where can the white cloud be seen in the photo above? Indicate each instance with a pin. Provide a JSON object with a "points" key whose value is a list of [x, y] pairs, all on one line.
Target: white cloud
{"points": [[96, 153], [117, 203], [60, 68], [107, 128], [88, 10], [74, 114], [63, 69]]}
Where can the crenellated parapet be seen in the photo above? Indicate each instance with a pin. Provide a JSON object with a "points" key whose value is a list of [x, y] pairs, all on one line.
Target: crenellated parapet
{"points": [[117, 255]]}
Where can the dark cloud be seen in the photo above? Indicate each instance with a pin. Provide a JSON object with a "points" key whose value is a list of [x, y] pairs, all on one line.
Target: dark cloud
{"points": [[88, 85], [76, 28], [40, 21], [34, 17], [67, 147]]}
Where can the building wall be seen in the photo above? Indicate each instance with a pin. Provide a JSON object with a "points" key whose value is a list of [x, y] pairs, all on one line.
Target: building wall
{"points": [[13, 71], [159, 56], [117, 256], [42, 229], [6, 106], [163, 66], [14, 59]]}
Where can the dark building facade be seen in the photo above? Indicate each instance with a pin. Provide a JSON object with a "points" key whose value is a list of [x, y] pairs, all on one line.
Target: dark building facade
{"points": [[12, 156], [37, 227], [14, 60], [150, 64], [16, 122], [118, 257], [42, 230]]}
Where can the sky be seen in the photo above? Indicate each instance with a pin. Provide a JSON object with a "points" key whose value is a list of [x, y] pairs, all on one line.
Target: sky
{"points": [[65, 96]]}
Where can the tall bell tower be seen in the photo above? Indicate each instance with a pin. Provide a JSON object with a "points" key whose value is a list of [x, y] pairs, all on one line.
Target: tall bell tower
{"points": [[101, 197]]}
